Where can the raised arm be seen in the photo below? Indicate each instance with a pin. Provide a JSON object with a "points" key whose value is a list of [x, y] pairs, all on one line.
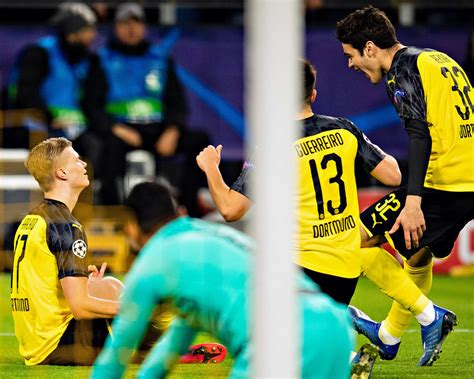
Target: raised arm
{"points": [[231, 204]]}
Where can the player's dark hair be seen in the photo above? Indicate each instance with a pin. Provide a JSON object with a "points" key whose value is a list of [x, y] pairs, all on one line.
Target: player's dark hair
{"points": [[152, 204], [366, 24], [309, 72]]}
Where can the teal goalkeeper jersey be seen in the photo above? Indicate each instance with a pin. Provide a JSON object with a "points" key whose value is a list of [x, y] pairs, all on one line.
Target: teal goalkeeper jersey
{"points": [[203, 270]]}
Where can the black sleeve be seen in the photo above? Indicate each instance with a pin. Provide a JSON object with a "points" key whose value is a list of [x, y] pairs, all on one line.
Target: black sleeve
{"points": [[95, 98], [419, 150], [369, 154], [33, 67], [68, 243], [240, 185], [175, 107], [405, 88]]}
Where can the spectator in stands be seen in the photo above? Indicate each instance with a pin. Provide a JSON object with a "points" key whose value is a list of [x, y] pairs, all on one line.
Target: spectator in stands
{"points": [[49, 76], [135, 100]]}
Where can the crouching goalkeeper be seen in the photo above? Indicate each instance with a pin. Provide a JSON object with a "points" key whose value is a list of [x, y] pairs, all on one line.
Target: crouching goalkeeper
{"points": [[203, 270]]}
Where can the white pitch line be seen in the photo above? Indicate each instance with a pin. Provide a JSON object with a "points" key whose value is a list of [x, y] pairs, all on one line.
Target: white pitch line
{"points": [[7, 334]]}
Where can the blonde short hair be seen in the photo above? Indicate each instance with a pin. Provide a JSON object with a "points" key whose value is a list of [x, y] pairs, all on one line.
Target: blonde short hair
{"points": [[40, 161]]}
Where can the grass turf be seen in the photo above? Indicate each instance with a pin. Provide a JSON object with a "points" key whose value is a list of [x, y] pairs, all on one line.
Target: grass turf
{"points": [[457, 359]]}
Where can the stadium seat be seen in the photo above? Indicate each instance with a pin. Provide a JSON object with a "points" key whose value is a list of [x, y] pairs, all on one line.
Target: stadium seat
{"points": [[18, 192], [107, 243], [140, 167]]}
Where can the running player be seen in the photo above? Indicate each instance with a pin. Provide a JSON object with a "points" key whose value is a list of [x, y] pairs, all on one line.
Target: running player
{"points": [[431, 94], [58, 318], [203, 270]]}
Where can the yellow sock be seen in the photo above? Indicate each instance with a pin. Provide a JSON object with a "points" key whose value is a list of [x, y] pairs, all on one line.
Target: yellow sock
{"points": [[385, 271], [421, 276], [399, 318]]}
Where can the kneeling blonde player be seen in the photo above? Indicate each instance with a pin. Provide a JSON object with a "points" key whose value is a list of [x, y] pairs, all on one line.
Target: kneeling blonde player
{"points": [[60, 311]]}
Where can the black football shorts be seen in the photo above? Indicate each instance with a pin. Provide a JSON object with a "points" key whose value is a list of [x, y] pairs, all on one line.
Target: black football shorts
{"points": [[81, 343], [446, 214]]}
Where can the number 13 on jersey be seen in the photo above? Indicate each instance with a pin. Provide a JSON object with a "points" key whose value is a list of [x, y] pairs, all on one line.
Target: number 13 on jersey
{"points": [[335, 161]]}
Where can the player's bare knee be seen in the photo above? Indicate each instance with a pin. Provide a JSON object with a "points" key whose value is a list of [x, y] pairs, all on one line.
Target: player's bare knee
{"points": [[422, 258], [108, 288]]}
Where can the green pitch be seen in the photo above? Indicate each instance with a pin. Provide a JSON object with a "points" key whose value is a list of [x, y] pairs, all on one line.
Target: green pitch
{"points": [[457, 359]]}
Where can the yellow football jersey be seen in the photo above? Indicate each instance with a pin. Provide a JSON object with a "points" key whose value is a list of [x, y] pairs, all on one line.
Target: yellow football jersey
{"points": [[49, 245], [428, 85], [328, 236]]}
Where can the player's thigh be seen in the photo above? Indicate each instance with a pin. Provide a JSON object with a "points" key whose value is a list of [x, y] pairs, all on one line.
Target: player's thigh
{"points": [[446, 213], [366, 241], [442, 243], [338, 288], [80, 344], [92, 333], [379, 218]]}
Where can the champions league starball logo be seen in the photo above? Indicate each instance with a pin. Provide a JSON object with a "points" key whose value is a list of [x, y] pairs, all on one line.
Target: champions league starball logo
{"points": [[79, 248], [398, 94]]}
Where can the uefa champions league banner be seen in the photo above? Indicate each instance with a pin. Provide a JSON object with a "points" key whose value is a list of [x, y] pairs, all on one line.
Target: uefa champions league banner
{"points": [[210, 62]]}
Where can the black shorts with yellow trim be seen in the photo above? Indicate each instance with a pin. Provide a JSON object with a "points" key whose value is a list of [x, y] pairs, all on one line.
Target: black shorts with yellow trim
{"points": [[446, 214], [80, 343]]}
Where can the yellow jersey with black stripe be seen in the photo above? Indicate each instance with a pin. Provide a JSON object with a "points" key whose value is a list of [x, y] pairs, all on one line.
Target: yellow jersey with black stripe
{"points": [[428, 85], [328, 236], [50, 244]]}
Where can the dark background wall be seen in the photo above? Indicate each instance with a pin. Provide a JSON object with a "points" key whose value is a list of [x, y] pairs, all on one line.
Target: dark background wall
{"points": [[211, 66]]}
